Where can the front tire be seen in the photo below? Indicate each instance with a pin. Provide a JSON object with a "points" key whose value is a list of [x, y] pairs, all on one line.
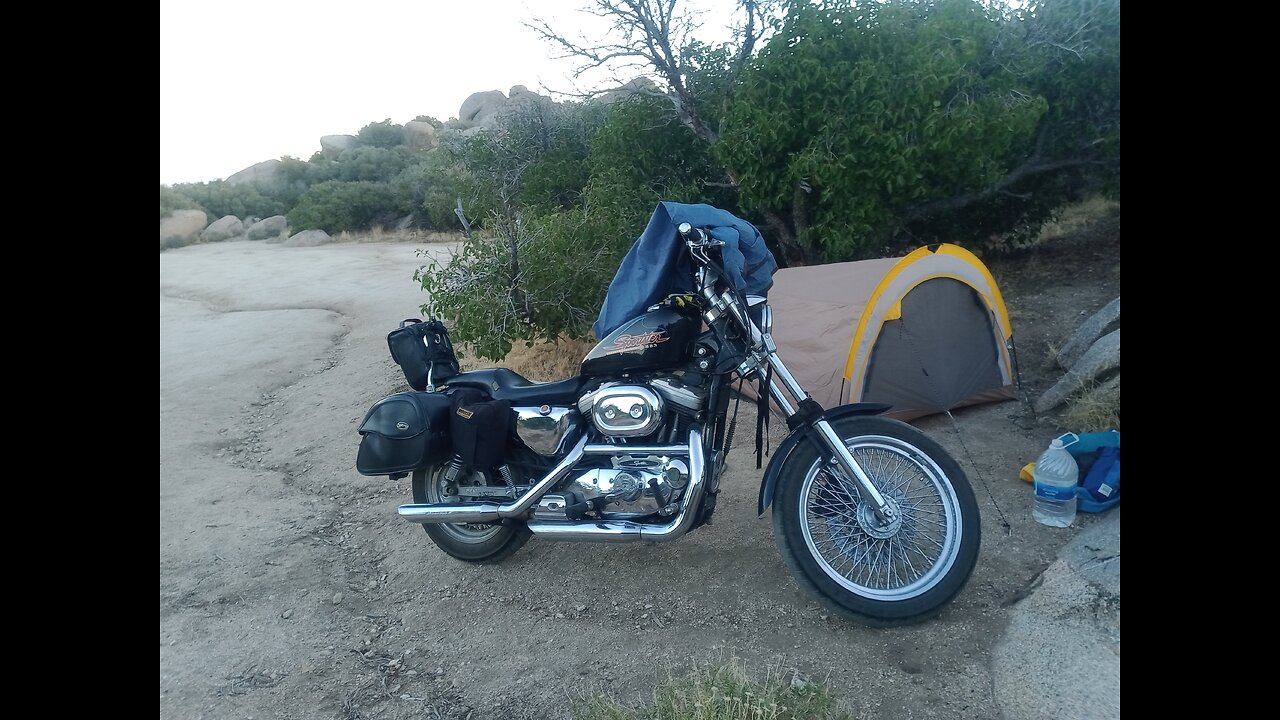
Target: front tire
{"points": [[471, 542], [897, 574]]}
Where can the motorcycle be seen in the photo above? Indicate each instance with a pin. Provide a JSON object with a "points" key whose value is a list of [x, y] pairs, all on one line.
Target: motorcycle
{"points": [[874, 519]]}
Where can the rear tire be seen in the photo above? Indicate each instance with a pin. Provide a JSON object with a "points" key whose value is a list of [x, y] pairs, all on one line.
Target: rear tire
{"points": [[471, 542], [898, 574]]}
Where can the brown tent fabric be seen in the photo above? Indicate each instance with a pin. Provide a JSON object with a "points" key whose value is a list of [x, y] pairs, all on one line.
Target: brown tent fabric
{"points": [[924, 333]]}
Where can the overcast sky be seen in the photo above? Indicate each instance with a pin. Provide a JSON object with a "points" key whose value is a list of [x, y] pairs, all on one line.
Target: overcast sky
{"points": [[242, 81]]}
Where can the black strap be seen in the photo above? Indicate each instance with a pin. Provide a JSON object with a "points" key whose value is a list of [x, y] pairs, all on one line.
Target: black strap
{"points": [[762, 415]]}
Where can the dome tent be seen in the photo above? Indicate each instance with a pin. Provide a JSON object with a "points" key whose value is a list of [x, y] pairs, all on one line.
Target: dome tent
{"points": [[923, 333]]}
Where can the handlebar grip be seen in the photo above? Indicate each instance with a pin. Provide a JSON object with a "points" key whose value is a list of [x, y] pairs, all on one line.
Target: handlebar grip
{"points": [[685, 230]]}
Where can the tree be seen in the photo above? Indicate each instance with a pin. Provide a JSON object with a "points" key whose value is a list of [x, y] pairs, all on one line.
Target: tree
{"points": [[384, 134], [860, 127], [334, 206]]}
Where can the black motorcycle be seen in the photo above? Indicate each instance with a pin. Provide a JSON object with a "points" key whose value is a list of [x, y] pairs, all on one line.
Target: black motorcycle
{"points": [[872, 517]]}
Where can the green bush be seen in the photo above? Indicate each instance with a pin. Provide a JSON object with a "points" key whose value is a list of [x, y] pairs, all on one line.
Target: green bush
{"points": [[384, 134], [430, 189], [171, 200], [376, 164], [220, 198], [334, 206]]}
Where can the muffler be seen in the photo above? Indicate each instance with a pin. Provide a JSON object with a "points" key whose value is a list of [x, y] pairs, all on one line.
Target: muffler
{"points": [[450, 513]]}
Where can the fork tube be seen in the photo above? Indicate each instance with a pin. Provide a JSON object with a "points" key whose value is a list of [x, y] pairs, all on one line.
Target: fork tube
{"points": [[840, 453]]}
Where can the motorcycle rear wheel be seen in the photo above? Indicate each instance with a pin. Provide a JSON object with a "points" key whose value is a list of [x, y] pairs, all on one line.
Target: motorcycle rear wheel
{"points": [[470, 542], [896, 574]]}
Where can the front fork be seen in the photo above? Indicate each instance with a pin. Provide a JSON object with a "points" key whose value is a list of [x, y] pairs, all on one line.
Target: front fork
{"points": [[807, 412], [810, 412]]}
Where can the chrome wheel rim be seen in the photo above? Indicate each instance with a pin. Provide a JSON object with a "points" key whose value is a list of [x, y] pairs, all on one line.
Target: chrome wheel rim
{"points": [[462, 532], [898, 561]]}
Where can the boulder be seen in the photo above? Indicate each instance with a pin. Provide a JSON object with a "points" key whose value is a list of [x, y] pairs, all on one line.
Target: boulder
{"points": [[268, 228], [224, 228], [334, 145], [263, 173], [636, 86], [182, 227], [1101, 358], [308, 238], [482, 106], [1089, 331], [419, 135], [1060, 656]]}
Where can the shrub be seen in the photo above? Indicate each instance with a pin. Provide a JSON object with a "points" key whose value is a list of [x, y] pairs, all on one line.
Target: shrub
{"points": [[335, 206]]}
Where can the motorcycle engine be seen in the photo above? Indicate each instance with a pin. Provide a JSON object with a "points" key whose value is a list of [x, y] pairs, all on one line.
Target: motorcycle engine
{"points": [[636, 486], [627, 411], [639, 484]]}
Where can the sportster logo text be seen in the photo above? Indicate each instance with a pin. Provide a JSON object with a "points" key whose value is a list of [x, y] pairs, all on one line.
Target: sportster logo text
{"points": [[638, 342]]}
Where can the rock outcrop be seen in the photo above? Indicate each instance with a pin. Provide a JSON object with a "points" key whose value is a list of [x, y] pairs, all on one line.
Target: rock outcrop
{"points": [[482, 106], [224, 228], [308, 238], [266, 228], [263, 173], [333, 146], [1088, 332], [183, 227], [419, 135], [1100, 359]]}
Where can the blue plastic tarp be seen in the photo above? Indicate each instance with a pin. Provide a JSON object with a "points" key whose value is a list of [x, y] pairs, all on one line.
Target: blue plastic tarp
{"points": [[658, 264]]}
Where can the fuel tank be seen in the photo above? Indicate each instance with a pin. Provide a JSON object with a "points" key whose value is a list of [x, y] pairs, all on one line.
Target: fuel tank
{"points": [[658, 339]]}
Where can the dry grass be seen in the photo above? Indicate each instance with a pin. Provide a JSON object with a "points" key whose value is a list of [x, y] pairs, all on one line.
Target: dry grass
{"points": [[1094, 410], [542, 362], [380, 234], [724, 692], [1080, 218]]}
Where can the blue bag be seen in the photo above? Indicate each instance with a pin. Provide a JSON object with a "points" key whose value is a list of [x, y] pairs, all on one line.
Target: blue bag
{"points": [[1098, 456]]}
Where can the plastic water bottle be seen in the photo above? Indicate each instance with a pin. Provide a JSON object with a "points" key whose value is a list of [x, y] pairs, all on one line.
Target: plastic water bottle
{"points": [[1056, 475]]}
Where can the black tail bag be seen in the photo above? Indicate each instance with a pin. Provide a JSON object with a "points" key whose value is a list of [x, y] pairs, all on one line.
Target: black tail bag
{"points": [[423, 351], [403, 432]]}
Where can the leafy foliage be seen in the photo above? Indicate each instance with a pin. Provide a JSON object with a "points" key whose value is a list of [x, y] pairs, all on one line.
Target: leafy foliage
{"points": [[171, 200], [854, 113], [384, 134], [334, 206], [219, 198]]}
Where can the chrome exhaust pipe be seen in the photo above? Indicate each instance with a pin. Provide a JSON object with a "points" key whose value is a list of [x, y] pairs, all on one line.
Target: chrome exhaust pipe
{"points": [[472, 512], [450, 513], [626, 531]]}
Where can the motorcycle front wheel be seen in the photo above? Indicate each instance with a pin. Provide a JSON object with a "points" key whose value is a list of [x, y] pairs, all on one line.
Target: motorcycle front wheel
{"points": [[898, 573], [472, 542]]}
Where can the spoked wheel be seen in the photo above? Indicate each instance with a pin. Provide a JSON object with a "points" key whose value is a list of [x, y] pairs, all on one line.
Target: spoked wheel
{"points": [[899, 572], [472, 542]]}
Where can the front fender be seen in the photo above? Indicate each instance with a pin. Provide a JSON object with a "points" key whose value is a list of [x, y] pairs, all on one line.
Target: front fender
{"points": [[771, 473]]}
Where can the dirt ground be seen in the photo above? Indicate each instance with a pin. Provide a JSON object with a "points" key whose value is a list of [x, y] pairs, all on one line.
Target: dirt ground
{"points": [[289, 588]]}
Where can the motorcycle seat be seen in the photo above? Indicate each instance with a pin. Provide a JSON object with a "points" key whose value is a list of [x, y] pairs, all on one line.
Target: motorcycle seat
{"points": [[504, 384]]}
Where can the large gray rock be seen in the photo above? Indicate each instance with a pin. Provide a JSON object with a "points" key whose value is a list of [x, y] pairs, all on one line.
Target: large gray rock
{"points": [[636, 86], [268, 228], [334, 145], [1060, 656], [263, 173], [482, 106], [308, 238], [182, 227], [1101, 358], [224, 228], [419, 135], [1089, 331]]}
